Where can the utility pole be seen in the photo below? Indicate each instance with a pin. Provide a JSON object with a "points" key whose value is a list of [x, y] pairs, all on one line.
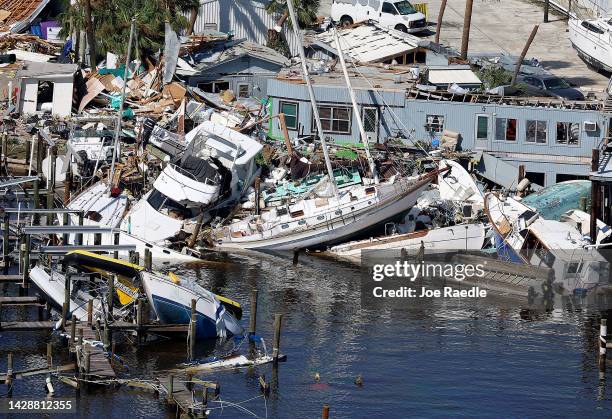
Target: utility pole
{"points": [[546, 7], [522, 57], [467, 21], [439, 25]]}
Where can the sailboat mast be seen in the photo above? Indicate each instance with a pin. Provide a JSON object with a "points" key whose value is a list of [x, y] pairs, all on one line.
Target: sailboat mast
{"points": [[121, 104], [313, 101], [364, 138]]}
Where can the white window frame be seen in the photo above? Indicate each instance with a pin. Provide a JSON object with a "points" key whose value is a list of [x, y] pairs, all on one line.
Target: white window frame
{"points": [[535, 140]]}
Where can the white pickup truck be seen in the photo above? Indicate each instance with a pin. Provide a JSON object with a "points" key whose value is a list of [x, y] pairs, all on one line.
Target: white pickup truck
{"points": [[396, 14]]}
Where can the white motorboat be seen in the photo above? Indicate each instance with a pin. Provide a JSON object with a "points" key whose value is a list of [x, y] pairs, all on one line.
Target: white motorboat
{"points": [[458, 237], [592, 40], [522, 236], [212, 173]]}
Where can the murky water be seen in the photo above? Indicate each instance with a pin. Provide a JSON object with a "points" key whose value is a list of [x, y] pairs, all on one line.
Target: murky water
{"points": [[462, 358]]}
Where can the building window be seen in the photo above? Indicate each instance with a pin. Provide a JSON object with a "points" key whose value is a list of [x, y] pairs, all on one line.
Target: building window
{"points": [[482, 127], [562, 177], [290, 109], [535, 132], [243, 90], [536, 177], [505, 129], [334, 119], [214, 86], [434, 123], [568, 133]]}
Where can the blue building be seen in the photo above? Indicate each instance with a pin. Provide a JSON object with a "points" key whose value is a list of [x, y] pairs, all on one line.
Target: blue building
{"points": [[552, 139]]}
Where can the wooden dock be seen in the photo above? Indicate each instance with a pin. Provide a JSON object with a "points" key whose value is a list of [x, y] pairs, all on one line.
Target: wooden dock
{"points": [[178, 394], [20, 301], [92, 360], [11, 278]]}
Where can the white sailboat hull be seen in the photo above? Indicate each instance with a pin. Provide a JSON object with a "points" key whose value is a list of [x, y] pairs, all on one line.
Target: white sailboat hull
{"points": [[393, 201]]}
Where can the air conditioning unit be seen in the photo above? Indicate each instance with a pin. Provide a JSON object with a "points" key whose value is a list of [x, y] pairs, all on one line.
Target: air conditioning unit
{"points": [[590, 126]]}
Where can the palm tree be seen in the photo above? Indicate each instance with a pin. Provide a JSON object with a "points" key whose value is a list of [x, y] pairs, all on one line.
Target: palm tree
{"points": [[111, 23], [306, 13]]}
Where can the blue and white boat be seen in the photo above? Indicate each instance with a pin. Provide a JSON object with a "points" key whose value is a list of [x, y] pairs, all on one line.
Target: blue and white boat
{"points": [[171, 298]]}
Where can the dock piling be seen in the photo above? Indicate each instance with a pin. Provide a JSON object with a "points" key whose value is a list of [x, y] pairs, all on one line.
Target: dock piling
{"points": [[49, 354], [148, 261], [72, 331], [169, 398], [89, 312], [603, 337], [66, 305], [79, 236], [253, 318], [192, 329], [5, 239], [9, 374], [26, 263], [111, 296], [325, 414], [66, 235], [278, 321]]}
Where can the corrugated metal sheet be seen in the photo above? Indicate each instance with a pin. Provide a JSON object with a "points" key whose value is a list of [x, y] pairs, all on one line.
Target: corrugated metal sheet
{"points": [[370, 43], [245, 19], [450, 76]]}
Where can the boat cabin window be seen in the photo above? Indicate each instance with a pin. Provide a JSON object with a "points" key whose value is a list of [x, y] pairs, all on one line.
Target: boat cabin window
{"points": [[574, 268], [290, 109], [533, 248], [590, 27], [505, 129], [161, 203], [568, 133]]}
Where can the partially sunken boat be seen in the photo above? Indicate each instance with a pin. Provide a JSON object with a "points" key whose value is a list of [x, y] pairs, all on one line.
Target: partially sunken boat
{"points": [[522, 236], [213, 172]]}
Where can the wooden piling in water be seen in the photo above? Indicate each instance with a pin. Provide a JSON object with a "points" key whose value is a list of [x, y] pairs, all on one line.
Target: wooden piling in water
{"points": [[192, 329], [49, 354], [5, 239], [603, 339], [116, 237], [9, 374], [26, 263], [66, 305], [51, 189], [79, 236], [72, 331], [253, 318], [139, 308], [278, 321], [257, 185], [325, 414], [66, 235], [89, 312], [36, 198], [148, 261], [169, 398]]}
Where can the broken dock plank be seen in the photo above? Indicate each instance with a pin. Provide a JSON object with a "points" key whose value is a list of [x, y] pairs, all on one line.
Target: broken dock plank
{"points": [[178, 393], [19, 301], [27, 326], [92, 360], [11, 278]]}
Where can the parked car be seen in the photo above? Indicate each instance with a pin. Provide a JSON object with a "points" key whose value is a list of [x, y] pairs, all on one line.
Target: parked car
{"points": [[550, 85], [396, 14]]}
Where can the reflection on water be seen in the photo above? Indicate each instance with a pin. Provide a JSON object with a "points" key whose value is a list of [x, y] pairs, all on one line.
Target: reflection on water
{"points": [[450, 357]]}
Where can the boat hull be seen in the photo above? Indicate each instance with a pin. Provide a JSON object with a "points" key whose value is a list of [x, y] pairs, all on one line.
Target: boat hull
{"points": [[460, 237], [172, 304], [595, 49], [338, 229]]}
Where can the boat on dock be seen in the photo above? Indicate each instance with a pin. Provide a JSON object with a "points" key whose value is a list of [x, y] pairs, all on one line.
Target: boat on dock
{"points": [[522, 236], [170, 297]]}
